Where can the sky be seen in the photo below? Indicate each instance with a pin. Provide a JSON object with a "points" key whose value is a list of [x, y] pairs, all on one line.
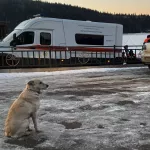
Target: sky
{"points": [[112, 6]]}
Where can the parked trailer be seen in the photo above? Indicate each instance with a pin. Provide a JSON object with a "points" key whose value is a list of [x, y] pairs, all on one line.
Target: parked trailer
{"points": [[51, 34]]}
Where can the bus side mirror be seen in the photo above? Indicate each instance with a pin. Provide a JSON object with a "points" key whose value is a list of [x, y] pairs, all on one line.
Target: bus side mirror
{"points": [[14, 37], [14, 42]]}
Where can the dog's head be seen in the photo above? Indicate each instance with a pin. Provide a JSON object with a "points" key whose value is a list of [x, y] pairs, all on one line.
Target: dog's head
{"points": [[36, 85]]}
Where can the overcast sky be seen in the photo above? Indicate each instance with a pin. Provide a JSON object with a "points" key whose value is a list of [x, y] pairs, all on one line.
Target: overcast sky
{"points": [[113, 6]]}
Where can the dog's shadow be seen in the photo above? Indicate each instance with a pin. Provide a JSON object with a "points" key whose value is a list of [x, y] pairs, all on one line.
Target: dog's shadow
{"points": [[30, 141]]}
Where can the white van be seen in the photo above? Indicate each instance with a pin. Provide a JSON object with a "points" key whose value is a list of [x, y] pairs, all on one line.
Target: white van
{"points": [[53, 34]]}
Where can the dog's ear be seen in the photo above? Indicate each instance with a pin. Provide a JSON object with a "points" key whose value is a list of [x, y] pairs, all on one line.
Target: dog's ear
{"points": [[31, 82]]}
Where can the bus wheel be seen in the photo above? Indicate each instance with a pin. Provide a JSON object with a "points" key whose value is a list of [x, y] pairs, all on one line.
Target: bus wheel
{"points": [[12, 60], [83, 58], [149, 66]]}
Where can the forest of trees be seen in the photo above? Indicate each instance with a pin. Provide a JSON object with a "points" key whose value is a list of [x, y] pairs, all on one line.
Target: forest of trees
{"points": [[15, 11]]}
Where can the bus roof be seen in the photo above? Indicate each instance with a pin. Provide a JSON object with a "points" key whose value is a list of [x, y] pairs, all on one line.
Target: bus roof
{"points": [[29, 22]]}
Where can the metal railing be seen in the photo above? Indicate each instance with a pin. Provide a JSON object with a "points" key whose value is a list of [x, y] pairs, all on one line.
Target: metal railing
{"points": [[29, 58]]}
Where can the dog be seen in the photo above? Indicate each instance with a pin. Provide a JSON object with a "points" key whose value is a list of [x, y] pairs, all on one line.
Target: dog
{"points": [[24, 108]]}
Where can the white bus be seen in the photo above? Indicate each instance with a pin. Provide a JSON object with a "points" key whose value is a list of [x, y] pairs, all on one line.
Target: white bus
{"points": [[85, 37]]}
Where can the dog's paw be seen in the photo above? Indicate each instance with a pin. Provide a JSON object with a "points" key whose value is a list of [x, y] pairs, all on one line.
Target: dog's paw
{"points": [[38, 131], [27, 133], [29, 129]]}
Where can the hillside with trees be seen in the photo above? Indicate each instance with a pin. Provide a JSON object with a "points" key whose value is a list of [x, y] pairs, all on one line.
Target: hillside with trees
{"points": [[15, 11]]}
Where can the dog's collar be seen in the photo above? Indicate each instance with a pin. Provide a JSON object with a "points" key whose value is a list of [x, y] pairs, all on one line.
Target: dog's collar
{"points": [[38, 92]]}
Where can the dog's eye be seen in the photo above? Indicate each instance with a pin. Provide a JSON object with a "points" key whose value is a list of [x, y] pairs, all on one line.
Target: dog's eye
{"points": [[40, 82]]}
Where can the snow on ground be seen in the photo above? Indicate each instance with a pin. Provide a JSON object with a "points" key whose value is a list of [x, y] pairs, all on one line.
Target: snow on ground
{"points": [[89, 109], [134, 38], [134, 41], [32, 74]]}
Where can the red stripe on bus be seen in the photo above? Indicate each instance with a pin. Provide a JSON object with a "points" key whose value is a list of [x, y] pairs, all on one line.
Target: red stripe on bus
{"points": [[75, 48]]}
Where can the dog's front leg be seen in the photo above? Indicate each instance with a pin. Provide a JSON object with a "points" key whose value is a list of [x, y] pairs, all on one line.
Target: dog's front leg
{"points": [[34, 119], [28, 128]]}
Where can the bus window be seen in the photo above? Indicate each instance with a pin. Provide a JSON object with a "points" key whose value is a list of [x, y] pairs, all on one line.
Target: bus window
{"points": [[25, 38], [89, 39], [45, 38]]}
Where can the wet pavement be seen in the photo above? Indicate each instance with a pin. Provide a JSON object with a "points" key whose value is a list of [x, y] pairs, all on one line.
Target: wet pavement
{"points": [[89, 110]]}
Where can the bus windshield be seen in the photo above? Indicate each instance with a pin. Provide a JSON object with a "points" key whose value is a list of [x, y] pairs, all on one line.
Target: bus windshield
{"points": [[10, 36]]}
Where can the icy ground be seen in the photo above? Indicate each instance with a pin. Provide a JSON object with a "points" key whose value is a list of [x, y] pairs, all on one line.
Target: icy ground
{"points": [[91, 109]]}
